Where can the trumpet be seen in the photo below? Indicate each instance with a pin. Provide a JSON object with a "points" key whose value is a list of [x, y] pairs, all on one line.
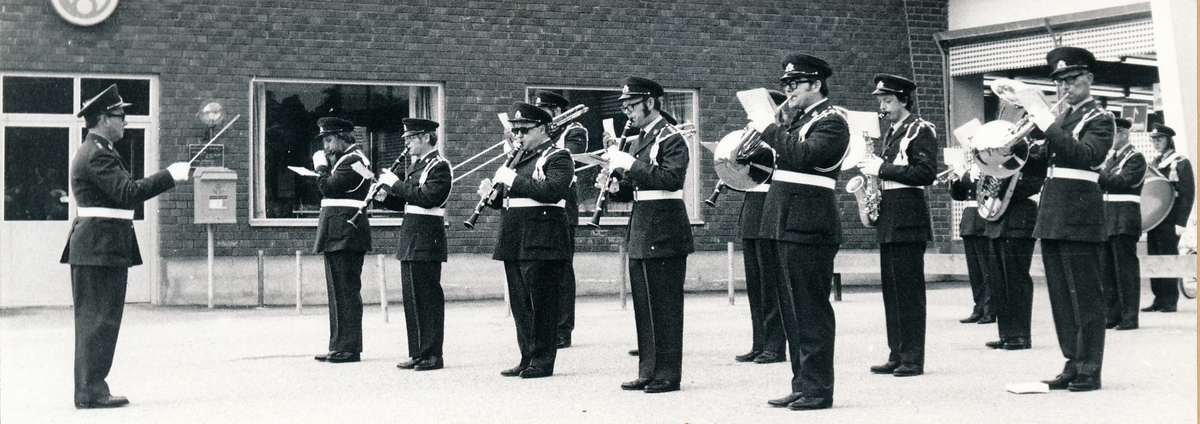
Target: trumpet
{"points": [[556, 124], [376, 187], [946, 176], [602, 198]]}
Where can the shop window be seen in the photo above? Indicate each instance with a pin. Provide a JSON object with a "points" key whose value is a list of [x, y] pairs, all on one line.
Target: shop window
{"points": [[603, 104], [286, 114]]}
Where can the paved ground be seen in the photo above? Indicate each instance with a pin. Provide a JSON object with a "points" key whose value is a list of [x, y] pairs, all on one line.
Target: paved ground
{"points": [[254, 366]]}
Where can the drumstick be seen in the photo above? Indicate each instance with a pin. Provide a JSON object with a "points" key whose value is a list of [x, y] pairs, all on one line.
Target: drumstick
{"points": [[210, 142]]}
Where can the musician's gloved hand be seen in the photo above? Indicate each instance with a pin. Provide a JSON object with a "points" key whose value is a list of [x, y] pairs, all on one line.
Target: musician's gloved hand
{"points": [[381, 194], [505, 175], [1179, 229], [179, 170], [1042, 118], [960, 171], [605, 181], [760, 120], [509, 142], [319, 160], [618, 159], [609, 140], [485, 187], [870, 166], [387, 178]]}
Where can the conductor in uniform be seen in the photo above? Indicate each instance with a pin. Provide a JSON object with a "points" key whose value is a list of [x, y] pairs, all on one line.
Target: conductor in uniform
{"points": [[574, 138], [903, 227], [421, 193], [651, 174], [102, 245], [1164, 238], [801, 225], [534, 237], [1121, 179], [342, 178], [1070, 219]]}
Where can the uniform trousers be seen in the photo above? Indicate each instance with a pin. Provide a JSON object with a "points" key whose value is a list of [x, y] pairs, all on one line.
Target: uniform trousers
{"points": [[566, 304], [1121, 271], [805, 279], [1012, 286], [98, 293], [903, 285], [424, 307], [1077, 303], [343, 279], [533, 293], [657, 289], [1162, 240], [762, 292], [977, 250]]}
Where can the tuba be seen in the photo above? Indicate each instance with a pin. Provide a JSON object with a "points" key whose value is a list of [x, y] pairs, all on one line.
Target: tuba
{"points": [[742, 160]]}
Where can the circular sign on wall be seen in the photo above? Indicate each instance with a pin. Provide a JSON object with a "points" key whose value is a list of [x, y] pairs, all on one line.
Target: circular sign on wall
{"points": [[84, 12]]}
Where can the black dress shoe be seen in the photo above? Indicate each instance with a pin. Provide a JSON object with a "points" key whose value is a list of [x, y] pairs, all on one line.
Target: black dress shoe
{"points": [[343, 357], [1111, 324], [323, 357], [748, 357], [995, 345], [563, 343], [661, 386], [633, 352], [409, 364], [514, 371], [1127, 326], [908, 370], [1152, 308], [638, 384], [971, 319], [429, 364], [808, 403], [1168, 308], [1060, 382], [784, 401], [886, 368], [1084, 383], [536, 372], [769, 357], [987, 319], [109, 401], [1017, 343]]}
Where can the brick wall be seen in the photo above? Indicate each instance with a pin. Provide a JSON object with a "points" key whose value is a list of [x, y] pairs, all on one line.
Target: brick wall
{"points": [[485, 53]]}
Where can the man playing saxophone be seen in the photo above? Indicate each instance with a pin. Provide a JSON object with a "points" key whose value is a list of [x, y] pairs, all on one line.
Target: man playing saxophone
{"points": [[908, 164]]}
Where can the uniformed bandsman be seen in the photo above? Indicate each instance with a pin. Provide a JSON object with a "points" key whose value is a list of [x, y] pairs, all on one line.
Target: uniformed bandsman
{"points": [[1070, 220], [1121, 179], [1164, 239], [421, 194], [651, 174], [534, 240], [102, 245], [903, 227], [1011, 239], [976, 246], [574, 138], [801, 225], [341, 167]]}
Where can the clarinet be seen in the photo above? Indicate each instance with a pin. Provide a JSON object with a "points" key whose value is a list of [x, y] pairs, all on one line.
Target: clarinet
{"points": [[602, 199], [400, 160]]}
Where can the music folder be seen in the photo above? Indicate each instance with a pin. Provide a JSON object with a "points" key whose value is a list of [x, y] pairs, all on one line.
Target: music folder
{"points": [[1027, 388], [756, 102]]}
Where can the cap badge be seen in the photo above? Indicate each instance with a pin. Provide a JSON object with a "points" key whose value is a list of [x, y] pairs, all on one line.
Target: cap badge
{"points": [[625, 90], [518, 116], [880, 86], [1061, 64], [791, 67]]}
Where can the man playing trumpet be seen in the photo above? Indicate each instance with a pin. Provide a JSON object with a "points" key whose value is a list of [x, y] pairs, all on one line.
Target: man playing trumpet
{"points": [[422, 195]]}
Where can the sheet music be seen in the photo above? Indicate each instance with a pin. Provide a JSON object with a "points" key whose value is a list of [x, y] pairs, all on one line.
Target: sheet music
{"points": [[964, 133], [756, 102], [863, 122], [954, 156], [504, 121], [608, 128], [304, 172]]}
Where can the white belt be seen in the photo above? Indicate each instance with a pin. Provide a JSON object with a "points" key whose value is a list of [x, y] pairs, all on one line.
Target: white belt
{"points": [[412, 209], [525, 202], [761, 188], [644, 195], [802, 178], [971, 204], [95, 212], [1122, 198], [892, 185], [345, 203], [1074, 174]]}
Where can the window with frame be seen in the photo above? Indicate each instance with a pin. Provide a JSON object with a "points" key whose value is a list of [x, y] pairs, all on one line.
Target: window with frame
{"points": [[285, 127], [602, 104]]}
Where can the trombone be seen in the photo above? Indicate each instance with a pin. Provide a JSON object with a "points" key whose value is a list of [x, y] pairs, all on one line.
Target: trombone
{"points": [[486, 163]]}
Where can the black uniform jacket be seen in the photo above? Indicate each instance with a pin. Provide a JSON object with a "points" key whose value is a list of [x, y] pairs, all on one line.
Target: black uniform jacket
{"points": [[426, 185], [1072, 209], [903, 213], [1176, 169], [657, 228], [334, 233], [575, 139], [1020, 216], [1122, 174], [962, 190], [99, 178], [814, 142], [540, 232]]}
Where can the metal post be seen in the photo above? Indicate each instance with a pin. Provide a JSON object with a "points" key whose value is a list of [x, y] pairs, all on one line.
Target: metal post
{"points": [[210, 265], [729, 269], [261, 279], [624, 271], [837, 287], [383, 300], [299, 285]]}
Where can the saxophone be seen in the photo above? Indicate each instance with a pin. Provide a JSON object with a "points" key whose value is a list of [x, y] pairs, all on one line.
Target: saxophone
{"points": [[866, 190]]}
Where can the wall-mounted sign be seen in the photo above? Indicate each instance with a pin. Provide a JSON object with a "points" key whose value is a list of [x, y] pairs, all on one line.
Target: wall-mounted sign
{"points": [[84, 12], [214, 155], [1135, 114]]}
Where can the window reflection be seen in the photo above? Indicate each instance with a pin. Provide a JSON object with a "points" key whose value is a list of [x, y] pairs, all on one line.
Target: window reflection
{"points": [[35, 174]]}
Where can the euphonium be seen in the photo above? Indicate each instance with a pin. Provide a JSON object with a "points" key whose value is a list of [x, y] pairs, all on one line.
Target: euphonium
{"points": [[866, 191]]}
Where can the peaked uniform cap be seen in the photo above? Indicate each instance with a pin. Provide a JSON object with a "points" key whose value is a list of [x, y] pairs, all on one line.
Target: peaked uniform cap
{"points": [[550, 99], [107, 100], [331, 125], [799, 65], [1162, 130], [632, 86], [891, 84], [1066, 59], [416, 126], [525, 112]]}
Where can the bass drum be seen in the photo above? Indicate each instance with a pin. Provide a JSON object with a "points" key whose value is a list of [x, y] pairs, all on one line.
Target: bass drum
{"points": [[1157, 197]]}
